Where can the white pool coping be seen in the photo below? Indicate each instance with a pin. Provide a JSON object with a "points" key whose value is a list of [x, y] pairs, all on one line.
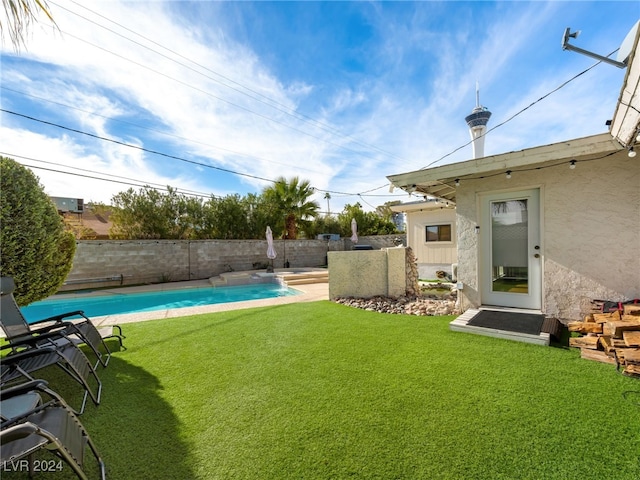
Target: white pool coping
{"points": [[308, 293]]}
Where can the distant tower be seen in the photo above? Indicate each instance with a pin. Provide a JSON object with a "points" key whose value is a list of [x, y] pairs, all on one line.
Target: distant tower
{"points": [[477, 122]]}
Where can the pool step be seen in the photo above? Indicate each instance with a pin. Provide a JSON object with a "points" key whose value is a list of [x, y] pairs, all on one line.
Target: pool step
{"points": [[307, 281], [217, 282], [231, 278], [286, 277], [305, 278]]}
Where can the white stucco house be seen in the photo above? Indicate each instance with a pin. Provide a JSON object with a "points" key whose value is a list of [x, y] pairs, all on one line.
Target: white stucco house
{"points": [[549, 228], [430, 227]]}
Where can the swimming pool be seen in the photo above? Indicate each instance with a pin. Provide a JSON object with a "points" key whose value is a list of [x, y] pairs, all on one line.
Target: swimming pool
{"points": [[118, 303]]}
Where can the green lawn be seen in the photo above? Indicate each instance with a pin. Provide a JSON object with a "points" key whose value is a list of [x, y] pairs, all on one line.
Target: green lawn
{"points": [[324, 391]]}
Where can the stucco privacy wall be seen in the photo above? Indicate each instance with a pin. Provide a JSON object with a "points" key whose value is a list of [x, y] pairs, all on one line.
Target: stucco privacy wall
{"points": [[115, 262], [367, 273], [590, 232]]}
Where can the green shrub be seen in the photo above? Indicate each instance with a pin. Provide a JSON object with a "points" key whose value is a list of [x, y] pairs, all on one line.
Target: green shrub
{"points": [[35, 249]]}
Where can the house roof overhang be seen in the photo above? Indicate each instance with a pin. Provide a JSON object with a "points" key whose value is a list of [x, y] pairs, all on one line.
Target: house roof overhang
{"points": [[423, 205], [625, 125], [440, 182]]}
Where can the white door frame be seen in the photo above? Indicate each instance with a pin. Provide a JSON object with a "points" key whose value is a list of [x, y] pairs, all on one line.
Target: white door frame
{"points": [[531, 298]]}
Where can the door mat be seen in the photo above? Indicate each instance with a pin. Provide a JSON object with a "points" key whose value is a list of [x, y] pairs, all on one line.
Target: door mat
{"points": [[529, 323]]}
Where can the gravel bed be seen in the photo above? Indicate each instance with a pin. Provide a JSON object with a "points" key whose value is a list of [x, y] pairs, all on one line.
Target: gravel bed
{"points": [[423, 306]]}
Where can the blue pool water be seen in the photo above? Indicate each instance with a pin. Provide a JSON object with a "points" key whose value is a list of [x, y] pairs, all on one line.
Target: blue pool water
{"points": [[99, 305]]}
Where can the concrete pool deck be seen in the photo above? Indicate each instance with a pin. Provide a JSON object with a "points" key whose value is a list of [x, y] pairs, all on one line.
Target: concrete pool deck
{"points": [[308, 293]]}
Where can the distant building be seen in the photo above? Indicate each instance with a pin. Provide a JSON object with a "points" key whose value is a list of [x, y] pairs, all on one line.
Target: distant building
{"points": [[399, 219], [73, 205], [431, 233], [477, 122]]}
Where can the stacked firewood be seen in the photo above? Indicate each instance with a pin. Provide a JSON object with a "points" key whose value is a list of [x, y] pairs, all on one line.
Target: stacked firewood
{"points": [[610, 337]]}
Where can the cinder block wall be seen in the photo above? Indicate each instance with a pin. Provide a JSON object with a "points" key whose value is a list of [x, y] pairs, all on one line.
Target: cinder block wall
{"points": [[99, 263]]}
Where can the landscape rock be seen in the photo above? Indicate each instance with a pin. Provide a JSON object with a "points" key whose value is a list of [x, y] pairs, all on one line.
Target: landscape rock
{"points": [[408, 305]]}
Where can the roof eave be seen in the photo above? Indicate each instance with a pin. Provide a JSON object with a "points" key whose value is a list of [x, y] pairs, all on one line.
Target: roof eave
{"points": [[626, 118], [422, 206], [440, 181]]}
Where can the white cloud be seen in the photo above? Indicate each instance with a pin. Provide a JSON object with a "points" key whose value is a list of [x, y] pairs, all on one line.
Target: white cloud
{"points": [[53, 159]]}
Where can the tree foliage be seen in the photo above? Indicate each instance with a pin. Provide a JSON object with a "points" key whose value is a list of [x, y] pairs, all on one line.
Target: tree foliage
{"points": [[19, 16], [290, 200], [150, 214], [321, 225], [37, 251], [284, 206], [369, 223], [230, 218]]}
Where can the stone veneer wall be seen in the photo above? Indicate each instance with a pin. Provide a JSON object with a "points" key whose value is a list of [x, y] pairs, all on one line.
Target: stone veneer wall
{"points": [[99, 263], [413, 276]]}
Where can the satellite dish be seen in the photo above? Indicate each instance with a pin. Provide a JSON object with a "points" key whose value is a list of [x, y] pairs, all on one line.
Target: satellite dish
{"points": [[623, 52], [627, 44]]}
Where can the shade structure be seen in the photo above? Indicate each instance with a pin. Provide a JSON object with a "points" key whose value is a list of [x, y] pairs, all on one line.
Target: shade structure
{"points": [[354, 230], [271, 252]]}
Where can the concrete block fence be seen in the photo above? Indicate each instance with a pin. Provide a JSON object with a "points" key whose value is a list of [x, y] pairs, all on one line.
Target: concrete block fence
{"points": [[100, 263]]}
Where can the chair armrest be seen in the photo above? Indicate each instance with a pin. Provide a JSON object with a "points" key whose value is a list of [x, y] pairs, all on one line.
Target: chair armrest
{"points": [[23, 388], [37, 331], [32, 340], [21, 355], [16, 432], [37, 384], [62, 316]]}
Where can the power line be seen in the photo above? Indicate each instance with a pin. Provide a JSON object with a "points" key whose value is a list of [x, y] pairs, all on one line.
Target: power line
{"points": [[254, 94], [520, 112], [512, 116], [137, 147], [364, 201], [139, 183], [149, 128], [221, 99]]}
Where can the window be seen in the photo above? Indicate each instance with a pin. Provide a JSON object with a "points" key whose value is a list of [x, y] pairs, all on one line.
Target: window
{"points": [[438, 233]]}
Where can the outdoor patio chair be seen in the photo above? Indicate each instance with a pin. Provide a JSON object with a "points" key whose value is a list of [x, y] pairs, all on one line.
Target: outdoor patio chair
{"points": [[67, 328], [24, 360], [32, 424]]}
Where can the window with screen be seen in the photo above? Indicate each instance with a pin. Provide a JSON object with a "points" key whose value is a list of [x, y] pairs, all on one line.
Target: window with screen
{"points": [[438, 233]]}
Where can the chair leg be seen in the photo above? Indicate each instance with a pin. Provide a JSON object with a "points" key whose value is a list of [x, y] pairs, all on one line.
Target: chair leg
{"points": [[78, 367]]}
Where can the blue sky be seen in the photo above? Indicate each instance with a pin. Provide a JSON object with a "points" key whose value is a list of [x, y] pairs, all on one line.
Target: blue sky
{"points": [[231, 95]]}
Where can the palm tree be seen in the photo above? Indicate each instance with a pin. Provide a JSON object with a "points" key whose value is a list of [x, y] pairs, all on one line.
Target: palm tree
{"points": [[291, 200], [19, 15], [327, 196]]}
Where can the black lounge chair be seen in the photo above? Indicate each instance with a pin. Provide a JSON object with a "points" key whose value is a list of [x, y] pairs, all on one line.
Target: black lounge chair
{"points": [[24, 360], [30, 425], [65, 326]]}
